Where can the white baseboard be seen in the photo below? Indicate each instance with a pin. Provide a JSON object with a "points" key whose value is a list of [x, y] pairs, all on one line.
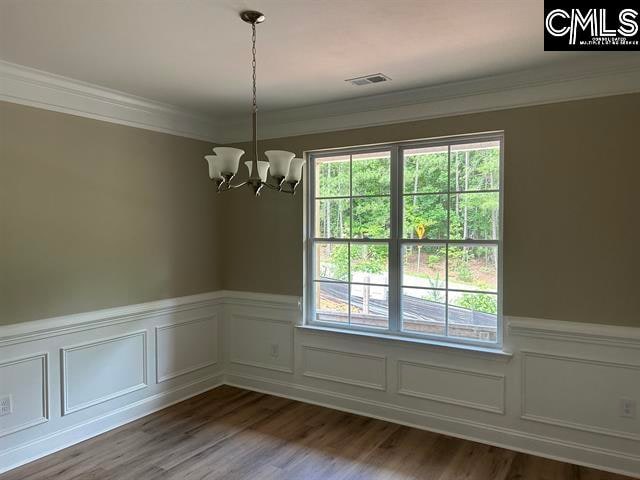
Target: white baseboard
{"points": [[556, 394]]}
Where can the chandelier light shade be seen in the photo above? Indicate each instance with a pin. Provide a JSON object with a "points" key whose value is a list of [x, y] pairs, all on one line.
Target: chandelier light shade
{"points": [[214, 171], [295, 171], [263, 169], [284, 169], [279, 161]]}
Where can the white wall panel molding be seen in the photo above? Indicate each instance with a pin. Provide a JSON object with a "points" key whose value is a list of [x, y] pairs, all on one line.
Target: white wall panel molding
{"points": [[37, 88], [555, 395], [101, 378], [579, 393], [462, 393], [102, 370], [347, 367], [606, 335], [455, 386], [27, 380], [186, 347], [253, 338]]}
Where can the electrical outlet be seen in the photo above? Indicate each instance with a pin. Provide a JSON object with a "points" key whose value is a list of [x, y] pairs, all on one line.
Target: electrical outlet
{"points": [[627, 408], [6, 405], [275, 350]]}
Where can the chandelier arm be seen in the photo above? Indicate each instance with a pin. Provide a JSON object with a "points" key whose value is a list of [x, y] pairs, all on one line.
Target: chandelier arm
{"points": [[231, 187], [224, 186], [292, 186], [272, 187]]}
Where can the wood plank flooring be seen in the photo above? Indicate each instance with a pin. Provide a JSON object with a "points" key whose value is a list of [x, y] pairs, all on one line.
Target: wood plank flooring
{"points": [[234, 434]]}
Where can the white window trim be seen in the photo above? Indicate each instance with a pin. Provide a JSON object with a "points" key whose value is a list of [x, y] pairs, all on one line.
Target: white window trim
{"points": [[396, 181]]}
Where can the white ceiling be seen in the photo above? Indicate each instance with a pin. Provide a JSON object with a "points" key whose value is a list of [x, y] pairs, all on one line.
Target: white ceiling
{"points": [[196, 53]]}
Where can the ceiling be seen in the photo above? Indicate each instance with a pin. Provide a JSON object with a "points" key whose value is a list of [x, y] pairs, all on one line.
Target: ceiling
{"points": [[195, 54]]}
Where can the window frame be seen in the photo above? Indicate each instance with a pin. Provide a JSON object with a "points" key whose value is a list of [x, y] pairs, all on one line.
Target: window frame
{"points": [[395, 240]]}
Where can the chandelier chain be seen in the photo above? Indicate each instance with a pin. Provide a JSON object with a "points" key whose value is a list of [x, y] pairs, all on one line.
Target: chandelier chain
{"points": [[223, 166], [253, 65]]}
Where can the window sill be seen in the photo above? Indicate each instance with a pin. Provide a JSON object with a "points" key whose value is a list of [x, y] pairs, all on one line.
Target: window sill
{"points": [[497, 353]]}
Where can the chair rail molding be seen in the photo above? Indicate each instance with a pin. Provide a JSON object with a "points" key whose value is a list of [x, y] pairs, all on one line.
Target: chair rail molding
{"points": [[540, 400], [607, 335]]}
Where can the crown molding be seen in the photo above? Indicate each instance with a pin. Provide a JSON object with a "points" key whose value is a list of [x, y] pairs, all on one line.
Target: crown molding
{"points": [[37, 88], [610, 75], [614, 75]]}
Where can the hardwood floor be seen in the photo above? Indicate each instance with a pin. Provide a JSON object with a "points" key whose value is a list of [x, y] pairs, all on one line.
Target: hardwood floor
{"points": [[229, 433]]}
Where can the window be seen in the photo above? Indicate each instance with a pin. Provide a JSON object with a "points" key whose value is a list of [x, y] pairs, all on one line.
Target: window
{"points": [[405, 239]]}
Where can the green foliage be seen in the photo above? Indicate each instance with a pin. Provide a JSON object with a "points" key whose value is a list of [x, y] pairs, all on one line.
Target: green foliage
{"points": [[371, 217], [464, 272], [431, 169], [369, 258], [434, 296], [457, 215], [371, 176], [479, 302], [340, 259], [435, 283], [427, 210], [475, 169], [333, 178], [434, 259]]}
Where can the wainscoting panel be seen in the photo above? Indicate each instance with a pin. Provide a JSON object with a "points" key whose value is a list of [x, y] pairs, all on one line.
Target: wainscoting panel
{"points": [[102, 370], [26, 380], [580, 393], [455, 386], [261, 341], [554, 392], [481, 395], [74, 377], [186, 347], [351, 368]]}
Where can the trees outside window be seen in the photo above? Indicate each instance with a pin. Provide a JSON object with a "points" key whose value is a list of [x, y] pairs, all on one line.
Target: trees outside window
{"points": [[405, 239]]}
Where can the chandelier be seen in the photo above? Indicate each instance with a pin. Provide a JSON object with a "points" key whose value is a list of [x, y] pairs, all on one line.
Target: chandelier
{"points": [[285, 170]]}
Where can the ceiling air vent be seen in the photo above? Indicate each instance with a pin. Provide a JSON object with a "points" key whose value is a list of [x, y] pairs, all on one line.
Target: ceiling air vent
{"points": [[368, 79]]}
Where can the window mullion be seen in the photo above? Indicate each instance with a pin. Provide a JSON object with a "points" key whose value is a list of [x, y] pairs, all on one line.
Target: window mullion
{"points": [[446, 258], [395, 314], [350, 237]]}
